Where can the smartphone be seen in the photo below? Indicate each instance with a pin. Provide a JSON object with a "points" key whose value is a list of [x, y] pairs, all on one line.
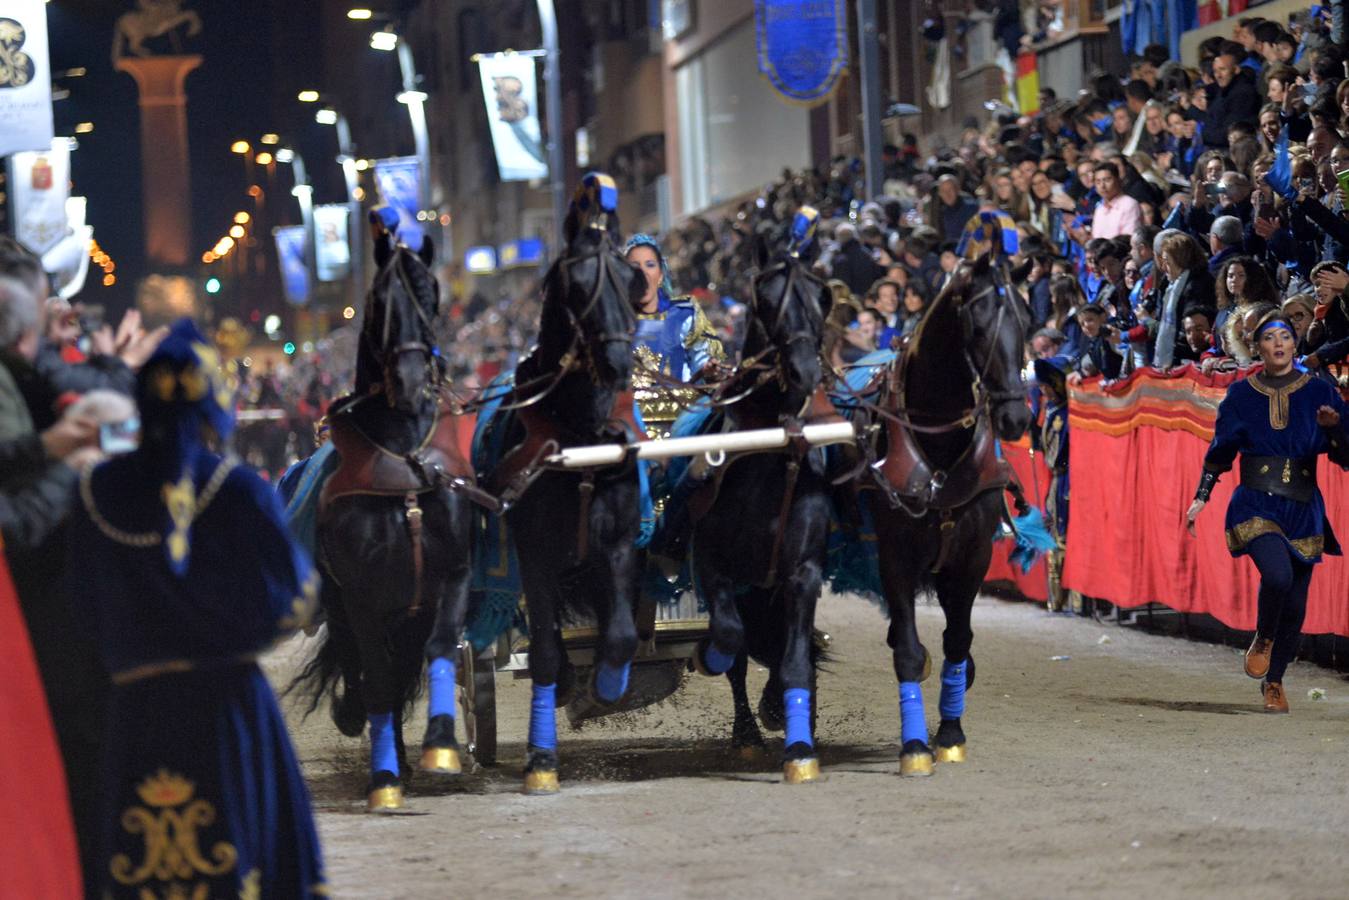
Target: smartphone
{"points": [[1343, 179], [115, 438], [1214, 191]]}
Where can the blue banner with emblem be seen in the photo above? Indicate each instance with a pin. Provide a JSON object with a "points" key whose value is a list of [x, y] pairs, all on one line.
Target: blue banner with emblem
{"points": [[802, 46], [290, 250]]}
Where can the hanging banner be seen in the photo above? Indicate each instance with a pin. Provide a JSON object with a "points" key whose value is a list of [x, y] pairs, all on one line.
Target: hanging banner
{"points": [[332, 251], [511, 91], [25, 77], [67, 262], [802, 46], [399, 181], [294, 269], [39, 185]]}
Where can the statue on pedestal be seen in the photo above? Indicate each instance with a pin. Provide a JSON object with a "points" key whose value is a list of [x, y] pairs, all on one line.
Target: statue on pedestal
{"points": [[153, 20]]}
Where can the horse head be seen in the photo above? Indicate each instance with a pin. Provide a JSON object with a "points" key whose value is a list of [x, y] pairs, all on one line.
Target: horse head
{"points": [[398, 343], [994, 319], [590, 294], [788, 308]]}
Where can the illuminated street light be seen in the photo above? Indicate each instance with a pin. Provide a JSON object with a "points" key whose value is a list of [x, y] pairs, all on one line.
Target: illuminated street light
{"points": [[349, 313], [360, 13], [241, 218], [285, 155], [270, 139], [240, 147], [84, 127], [236, 231], [326, 117], [264, 158], [384, 40], [208, 257], [308, 96], [362, 165], [213, 285]]}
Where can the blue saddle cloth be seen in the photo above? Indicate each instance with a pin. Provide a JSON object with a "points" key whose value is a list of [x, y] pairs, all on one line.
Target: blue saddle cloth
{"points": [[299, 489]]}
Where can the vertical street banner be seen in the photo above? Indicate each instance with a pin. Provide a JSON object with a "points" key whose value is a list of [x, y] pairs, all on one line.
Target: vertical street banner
{"points": [[399, 181], [332, 251], [25, 77], [511, 92], [39, 182], [802, 46], [294, 268]]}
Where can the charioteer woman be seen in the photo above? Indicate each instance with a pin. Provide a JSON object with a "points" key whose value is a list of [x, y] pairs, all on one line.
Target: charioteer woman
{"points": [[1280, 420]]}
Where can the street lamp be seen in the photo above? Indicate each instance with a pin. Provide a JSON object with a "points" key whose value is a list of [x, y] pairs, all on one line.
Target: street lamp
{"points": [[307, 96], [415, 100], [240, 147], [346, 156], [359, 13], [303, 192]]}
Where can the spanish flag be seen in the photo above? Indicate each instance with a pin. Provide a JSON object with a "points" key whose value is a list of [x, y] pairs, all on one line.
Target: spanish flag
{"points": [[1027, 83]]}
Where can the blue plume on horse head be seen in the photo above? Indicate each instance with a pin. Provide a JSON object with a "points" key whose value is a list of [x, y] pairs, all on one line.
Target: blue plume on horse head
{"points": [[802, 230], [596, 196], [384, 220]]}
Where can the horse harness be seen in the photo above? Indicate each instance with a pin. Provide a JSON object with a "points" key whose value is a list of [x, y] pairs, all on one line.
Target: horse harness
{"points": [[907, 478]]}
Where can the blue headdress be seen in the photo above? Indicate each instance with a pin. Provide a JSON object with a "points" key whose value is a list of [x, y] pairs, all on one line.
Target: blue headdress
{"points": [[185, 405], [646, 240]]}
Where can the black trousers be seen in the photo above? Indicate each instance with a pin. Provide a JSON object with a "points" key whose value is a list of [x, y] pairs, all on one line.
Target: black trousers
{"points": [[1284, 579]]}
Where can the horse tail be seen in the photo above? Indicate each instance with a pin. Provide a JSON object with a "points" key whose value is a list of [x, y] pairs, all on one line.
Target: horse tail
{"points": [[337, 659], [318, 679]]}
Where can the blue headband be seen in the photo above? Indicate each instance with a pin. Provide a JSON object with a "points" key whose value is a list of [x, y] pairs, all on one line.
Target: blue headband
{"points": [[1273, 323], [646, 240]]}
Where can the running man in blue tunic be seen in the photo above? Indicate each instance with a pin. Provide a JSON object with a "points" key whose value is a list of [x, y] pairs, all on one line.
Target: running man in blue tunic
{"points": [[1280, 420]]}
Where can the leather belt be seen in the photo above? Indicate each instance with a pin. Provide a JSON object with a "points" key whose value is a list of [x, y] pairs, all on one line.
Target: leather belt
{"points": [[1284, 476]]}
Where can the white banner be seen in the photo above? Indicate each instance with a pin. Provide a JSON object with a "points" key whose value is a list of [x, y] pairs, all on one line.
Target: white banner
{"points": [[331, 250], [511, 91], [25, 77], [67, 263], [39, 185]]}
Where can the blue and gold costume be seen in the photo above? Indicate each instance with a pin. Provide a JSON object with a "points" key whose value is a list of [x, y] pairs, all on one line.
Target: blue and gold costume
{"points": [[676, 340], [190, 573], [1274, 420]]}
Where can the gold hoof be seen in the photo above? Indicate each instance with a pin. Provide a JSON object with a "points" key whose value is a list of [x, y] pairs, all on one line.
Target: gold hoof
{"points": [[541, 781], [956, 754], [385, 799], [441, 760], [915, 765], [801, 771]]}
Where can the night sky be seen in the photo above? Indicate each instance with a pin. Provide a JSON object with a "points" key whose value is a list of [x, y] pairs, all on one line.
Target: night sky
{"points": [[232, 95]]}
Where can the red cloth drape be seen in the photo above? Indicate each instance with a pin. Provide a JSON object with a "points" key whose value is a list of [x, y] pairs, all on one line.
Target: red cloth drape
{"points": [[1034, 480], [37, 841], [1136, 452]]}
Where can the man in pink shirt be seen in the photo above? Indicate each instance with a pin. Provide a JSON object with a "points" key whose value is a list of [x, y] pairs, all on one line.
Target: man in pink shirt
{"points": [[1117, 213]]}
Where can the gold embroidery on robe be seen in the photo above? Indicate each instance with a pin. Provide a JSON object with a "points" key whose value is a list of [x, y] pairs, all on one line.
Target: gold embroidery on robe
{"points": [[1278, 398], [1240, 535], [169, 823]]}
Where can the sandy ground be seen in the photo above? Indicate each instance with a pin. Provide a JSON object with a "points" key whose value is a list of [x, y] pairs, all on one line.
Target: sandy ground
{"points": [[1140, 767]]}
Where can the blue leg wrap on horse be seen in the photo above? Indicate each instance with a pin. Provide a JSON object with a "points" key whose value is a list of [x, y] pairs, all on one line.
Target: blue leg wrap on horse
{"points": [[383, 753], [611, 681], [912, 724], [717, 662], [952, 690], [796, 702], [441, 677], [542, 717]]}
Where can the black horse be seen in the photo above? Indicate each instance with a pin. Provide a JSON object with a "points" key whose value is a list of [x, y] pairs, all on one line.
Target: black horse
{"points": [[574, 531], [393, 537], [955, 387], [759, 549]]}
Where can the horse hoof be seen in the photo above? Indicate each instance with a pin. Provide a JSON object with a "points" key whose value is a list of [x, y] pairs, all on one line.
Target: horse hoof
{"points": [[916, 760], [384, 799], [801, 771], [953, 754], [441, 760], [541, 782]]}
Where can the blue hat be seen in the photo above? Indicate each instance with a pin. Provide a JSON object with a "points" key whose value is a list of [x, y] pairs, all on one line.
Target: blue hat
{"points": [[1053, 371], [182, 378]]}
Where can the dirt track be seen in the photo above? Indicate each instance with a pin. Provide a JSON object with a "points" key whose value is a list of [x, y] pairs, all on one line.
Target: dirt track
{"points": [[1139, 767]]}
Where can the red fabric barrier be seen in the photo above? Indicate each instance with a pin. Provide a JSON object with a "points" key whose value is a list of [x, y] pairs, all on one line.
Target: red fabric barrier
{"points": [[1034, 479], [1136, 451]]}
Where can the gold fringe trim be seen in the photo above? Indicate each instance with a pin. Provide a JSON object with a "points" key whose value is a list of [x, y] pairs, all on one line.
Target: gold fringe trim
{"points": [[1239, 536]]}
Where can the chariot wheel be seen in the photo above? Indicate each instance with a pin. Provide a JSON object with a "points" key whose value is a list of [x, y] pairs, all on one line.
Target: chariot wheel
{"points": [[479, 698]]}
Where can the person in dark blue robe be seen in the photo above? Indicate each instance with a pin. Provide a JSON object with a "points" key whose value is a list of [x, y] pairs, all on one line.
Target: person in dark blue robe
{"points": [[189, 573], [1279, 420], [1052, 376]]}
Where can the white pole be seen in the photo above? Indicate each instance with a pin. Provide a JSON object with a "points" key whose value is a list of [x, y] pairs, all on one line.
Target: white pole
{"points": [[726, 442]]}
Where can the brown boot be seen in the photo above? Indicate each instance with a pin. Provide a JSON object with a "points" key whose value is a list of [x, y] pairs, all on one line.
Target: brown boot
{"points": [[1257, 657], [1276, 701]]}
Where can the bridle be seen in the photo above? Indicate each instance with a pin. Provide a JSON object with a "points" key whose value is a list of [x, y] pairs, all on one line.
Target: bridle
{"points": [[388, 356], [581, 347], [770, 362]]}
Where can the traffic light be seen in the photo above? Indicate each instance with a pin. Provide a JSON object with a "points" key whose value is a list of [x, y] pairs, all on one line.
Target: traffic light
{"points": [[213, 285], [288, 348]]}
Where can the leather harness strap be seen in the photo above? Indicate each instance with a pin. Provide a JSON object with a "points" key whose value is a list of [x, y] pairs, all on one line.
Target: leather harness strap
{"points": [[414, 517]]}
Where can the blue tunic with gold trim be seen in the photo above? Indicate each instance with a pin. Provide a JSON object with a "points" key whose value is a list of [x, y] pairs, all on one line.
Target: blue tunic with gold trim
{"points": [[677, 340], [1276, 418], [204, 796]]}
